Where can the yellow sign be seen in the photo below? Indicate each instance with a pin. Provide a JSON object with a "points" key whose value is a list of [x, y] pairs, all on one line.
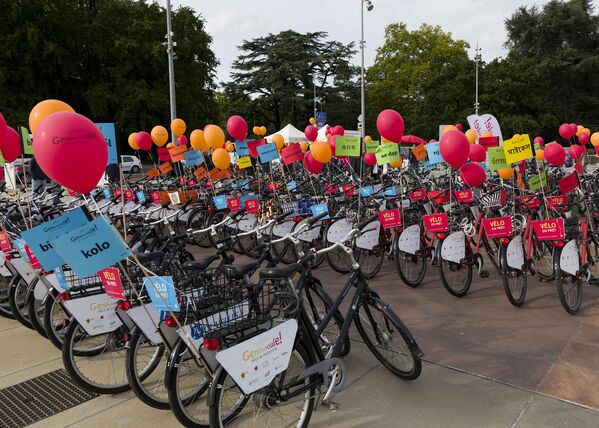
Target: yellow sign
{"points": [[517, 149], [244, 162]]}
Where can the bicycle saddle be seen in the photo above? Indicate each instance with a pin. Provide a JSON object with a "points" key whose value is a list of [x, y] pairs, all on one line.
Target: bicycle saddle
{"points": [[240, 271], [280, 272], [200, 264]]}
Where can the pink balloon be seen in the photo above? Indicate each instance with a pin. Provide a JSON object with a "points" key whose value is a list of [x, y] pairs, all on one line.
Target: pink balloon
{"points": [[10, 145], [370, 159], [473, 174], [477, 153], [432, 141], [311, 164], [454, 148], [182, 140], [2, 126], [144, 141], [71, 150], [555, 154], [237, 127], [575, 152], [583, 138], [332, 142], [390, 125], [565, 131], [311, 133], [459, 127], [540, 141], [338, 130], [573, 129]]}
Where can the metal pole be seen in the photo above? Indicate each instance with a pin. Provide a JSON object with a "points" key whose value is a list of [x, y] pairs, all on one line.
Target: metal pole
{"points": [[477, 57], [363, 96], [314, 82], [171, 64]]}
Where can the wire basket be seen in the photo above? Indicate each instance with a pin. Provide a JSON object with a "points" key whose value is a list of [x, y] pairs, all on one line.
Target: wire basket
{"points": [[76, 283], [298, 207], [411, 216]]}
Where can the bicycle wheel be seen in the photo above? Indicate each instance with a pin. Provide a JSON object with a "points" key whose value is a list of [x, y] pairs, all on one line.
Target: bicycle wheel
{"points": [[197, 221], [456, 277], [514, 280], [385, 338], [493, 251], [569, 287], [17, 298], [337, 259], [285, 402], [35, 310], [543, 260], [96, 363], [305, 246], [4, 299], [146, 368], [283, 249], [56, 320], [410, 268]]}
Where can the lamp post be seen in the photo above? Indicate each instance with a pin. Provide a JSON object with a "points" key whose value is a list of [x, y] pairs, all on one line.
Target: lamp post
{"points": [[369, 6], [477, 57], [171, 63]]}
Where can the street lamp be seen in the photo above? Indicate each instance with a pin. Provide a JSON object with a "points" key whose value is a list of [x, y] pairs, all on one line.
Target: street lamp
{"points": [[369, 6], [478, 58], [171, 63]]}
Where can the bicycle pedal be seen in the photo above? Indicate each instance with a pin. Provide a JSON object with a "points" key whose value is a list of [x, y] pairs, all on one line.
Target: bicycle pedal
{"points": [[483, 274], [331, 405]]}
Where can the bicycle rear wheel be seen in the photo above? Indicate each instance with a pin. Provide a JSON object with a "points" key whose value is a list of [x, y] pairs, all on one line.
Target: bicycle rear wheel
{"points": [[543, 260], [56, 320], [410, 268], [456, 277], [569, 287], [197, 221], [17, 298], [514, 281], [4, 301]]}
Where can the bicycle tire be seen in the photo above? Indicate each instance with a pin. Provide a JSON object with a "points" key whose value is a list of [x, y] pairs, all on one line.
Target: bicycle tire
{"points": [[35, 310], [17, 298], [514, 281], [197, 220], [56, 320], [457, 287], [493, 251], [410, 268], [569, 288], [306, 246], [283, 249], [337, 259], [543, 260], [5, 311]]}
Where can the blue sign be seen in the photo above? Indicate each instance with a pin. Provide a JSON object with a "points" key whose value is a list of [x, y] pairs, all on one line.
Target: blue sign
{"points": [[194, 157], [434, 153], [247, 198], [106, 192], [91, 248], [141, 197], [366, 191], [21, 248], [268, 152], [93, 193], [220, 202], [319, 209], [428, 166], [292, 185], [390, 191], [321, 118], [109, 132], [162, 293], [62, 280], [241, 148], [40, 238]]}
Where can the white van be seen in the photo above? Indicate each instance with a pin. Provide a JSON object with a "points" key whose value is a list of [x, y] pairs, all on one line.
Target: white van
{"points": [[130, 164]]}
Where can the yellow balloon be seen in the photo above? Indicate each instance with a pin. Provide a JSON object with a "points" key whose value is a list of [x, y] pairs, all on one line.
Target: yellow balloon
{"points": [[579, 130], [448, 128], [229, 147], [312, 121], [221, 158], [159, 135], [595, 139], [540, 154], [198, 141], [44, 109], [132, 140], [367, 139], [397, 164], [215, 137], [471, 135], [304, 146], [263, 130], [279, 140], [178, 127], [171, 145], [321, 151], [256, 130], [506, 173], [487, 134]]}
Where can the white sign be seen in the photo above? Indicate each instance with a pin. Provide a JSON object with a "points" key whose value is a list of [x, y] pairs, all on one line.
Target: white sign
{"points": [[485, 123], [283, 229], [370, 236], [310, 234], [454, 247], [253, 364], [515, 253], [24, 269], [147, 323], [568, 260], [248, 222], [339, 230], [94, 313], [3, 269], [409, 240]]}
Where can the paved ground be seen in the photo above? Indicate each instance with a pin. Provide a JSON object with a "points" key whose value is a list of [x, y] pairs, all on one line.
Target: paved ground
{"points": [[488, 364]]}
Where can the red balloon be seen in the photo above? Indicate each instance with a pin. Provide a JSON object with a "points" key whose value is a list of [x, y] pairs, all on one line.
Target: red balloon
{"points": [[583, 138], [338, 130], [573, 129], [71, 150], [2, 126], [390, 125], [370, 159], [311, 133], [332, 142], [454, 148], [473, 174], [10, 145], [575, 152], [565, 131], [477, 153], [237, 127], [555, 154], [459, 127], [539, 141], [144, 141], [182, 140], [311, 164]]}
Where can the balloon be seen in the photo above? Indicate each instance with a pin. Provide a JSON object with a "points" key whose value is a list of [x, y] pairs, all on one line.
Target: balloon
{"points": [[540, 155], [516, 136], [595, 139], [311, 164], [279, 141], [454, 148], [506, 174], [171, 145], [473, 174], [586, 131], [487, 134], [132, 140], [2, 126], [159, 135], [575, 152], [385, 141], [321, 151], [332, 142], [583, 138], [304, 146], [448, 128], [539, 140], [579, 130], [71, 150], [397, 163], [565, 131], [370, 159], [144, 141], [573, 129], [237, 127], [471, 135], [44, 109], [215, 137], [477, 153], [367, 139], [312, 121], [230, 147], [10, 146], [390, 125], [555, 154], [329, 135], [182, 140], [263, 130], [256, 130], [178, 127], [311, 133], [221, 158], [198, 141], [338, 130]]}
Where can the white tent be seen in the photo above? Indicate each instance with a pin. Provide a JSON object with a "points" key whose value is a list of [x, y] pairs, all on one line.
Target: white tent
{"points": [[322, 133], [290, 133]]}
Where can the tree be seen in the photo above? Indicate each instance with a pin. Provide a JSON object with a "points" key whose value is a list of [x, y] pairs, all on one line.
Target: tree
{"points": [[278, 73], [424, 74]]}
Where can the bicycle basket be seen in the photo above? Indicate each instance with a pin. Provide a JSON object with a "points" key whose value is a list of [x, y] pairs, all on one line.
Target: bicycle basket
{"points": [[411, 216]]}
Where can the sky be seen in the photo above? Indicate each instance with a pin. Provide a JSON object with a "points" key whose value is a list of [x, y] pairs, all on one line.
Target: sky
{"points": [[232, 21]]}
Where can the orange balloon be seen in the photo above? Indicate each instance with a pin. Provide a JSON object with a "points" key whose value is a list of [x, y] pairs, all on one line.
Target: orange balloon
{"points": [[256, 130], [397, 164], [471, 135], [304, 146], [263, 130], [385, 141], [279, 140], [44, 109], [178, 127], [579, 130], [595, 139], [329, 136], [487, 134], [198, 141], [506, 173], [215, 137], [516, 136], [221, 158], [159, 135], [367, 139], [312, 121], [540, 154], [321, 151], [586, 131], [132, 140], [229, 147], [171, 145], [448, 128]]}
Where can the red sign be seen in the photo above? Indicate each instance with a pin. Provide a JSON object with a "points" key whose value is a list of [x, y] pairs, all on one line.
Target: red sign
{"points": [[434, 194], [549, 230], [156, 198], [272, 186], [129, 195], [390, 218], [487, 142], [418, 195], [164, 155], [111, 280], [33, 261], [464, 196], [349, 189], [568, 183], [251, 205], [191, 183], [234, 204], [329, 188], [253, 146], [292, 153], [578, 167], [117, 192], [5, 242], [531, 201], [498, 227], [436, 223], [555, 202]]}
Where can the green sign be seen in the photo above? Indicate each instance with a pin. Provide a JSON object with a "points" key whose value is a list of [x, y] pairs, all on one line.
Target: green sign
{"points": [[537, 181], [387, 153], [1, 160], [347, 146], [371, 146], [26, 141], [496, 159], [537, 147]]}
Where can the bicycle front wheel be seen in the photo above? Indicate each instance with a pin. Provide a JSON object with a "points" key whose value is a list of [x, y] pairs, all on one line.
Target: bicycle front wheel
{"points": [[456, 277], [410, 267], [514, 281], [569, 287], [4, 301]]}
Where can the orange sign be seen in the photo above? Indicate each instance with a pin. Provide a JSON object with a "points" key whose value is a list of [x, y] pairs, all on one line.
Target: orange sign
{"points": [[200, 173], [177, 153], [419, 152], [153, 173], [165, 168]]}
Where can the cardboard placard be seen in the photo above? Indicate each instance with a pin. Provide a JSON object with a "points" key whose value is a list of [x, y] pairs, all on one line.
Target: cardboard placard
{"points": [[291, 153], [436, 223], [498, 227], [517, 149], [390, 218]]}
